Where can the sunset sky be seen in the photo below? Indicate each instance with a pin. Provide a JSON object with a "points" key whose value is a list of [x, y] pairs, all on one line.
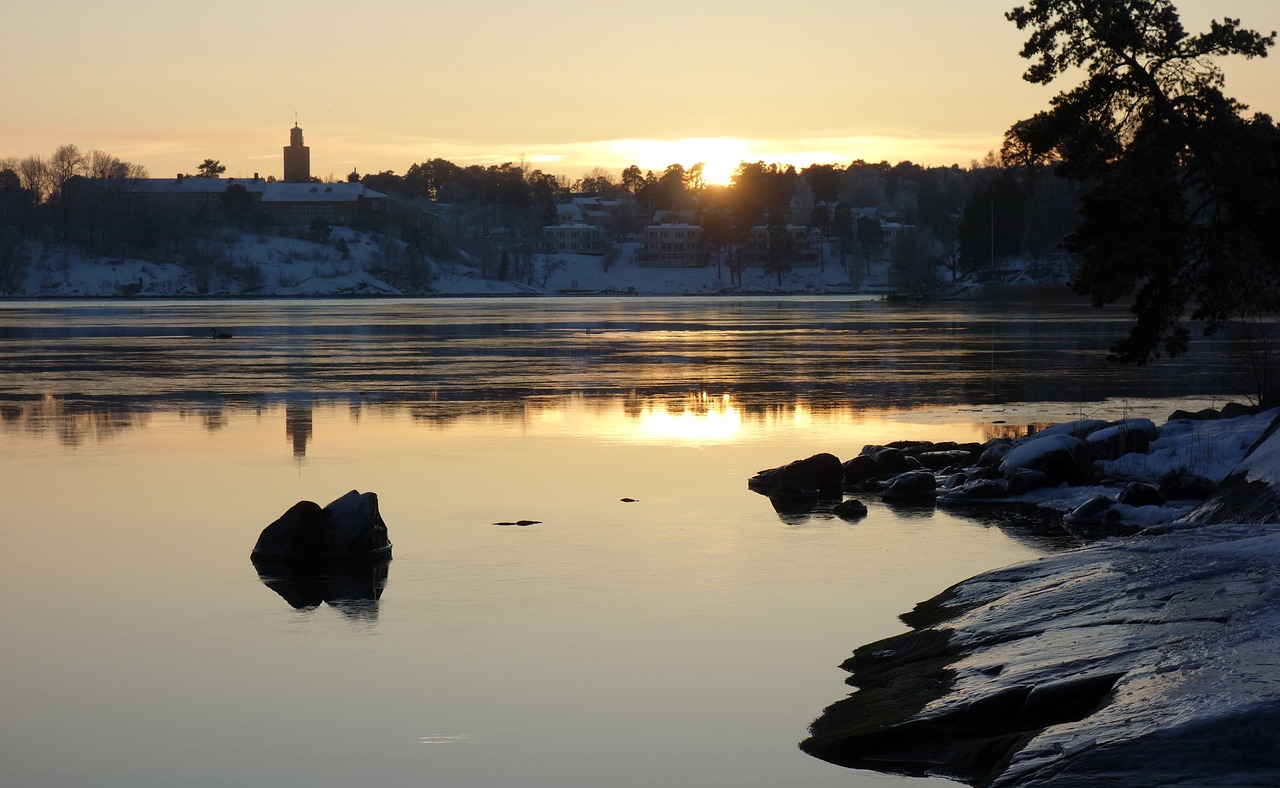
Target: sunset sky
{"points": [[566, 85]]}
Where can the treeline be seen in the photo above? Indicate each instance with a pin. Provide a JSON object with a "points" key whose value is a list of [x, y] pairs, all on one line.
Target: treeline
{"points": [[967, 219], [963, 220]]}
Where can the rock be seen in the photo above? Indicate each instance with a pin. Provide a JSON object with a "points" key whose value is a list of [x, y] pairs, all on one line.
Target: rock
{"points": [[1182, 485], [891, 459], [1234, 410], [1116, 440], [1025, 480], [852, 509], [1097, 510], [909, 485], [1136, 662], [1206, 414], [993, 452], [861, 469], [821, 472], [940, 460], [976, 490], [1140, 494], [1076, 429], [1062, 458], [348, 528]]}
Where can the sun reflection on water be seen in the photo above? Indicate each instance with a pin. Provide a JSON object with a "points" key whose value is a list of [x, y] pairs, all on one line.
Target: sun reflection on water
{"points": [[703, 418]]}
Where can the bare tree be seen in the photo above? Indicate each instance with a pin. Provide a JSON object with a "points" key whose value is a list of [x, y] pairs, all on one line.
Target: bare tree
{"points": [[66, 162], [34, 174]]}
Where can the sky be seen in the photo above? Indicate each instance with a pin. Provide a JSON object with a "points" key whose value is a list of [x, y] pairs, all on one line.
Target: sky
{"points": [[564, 85]]}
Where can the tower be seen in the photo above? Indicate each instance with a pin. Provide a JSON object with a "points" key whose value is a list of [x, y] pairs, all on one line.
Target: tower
{"points": [[297, 158]]}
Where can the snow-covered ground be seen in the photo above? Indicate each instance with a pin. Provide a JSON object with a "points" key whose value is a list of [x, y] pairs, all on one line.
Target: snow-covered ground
{"points": [[263, 265], [1210, 449]]}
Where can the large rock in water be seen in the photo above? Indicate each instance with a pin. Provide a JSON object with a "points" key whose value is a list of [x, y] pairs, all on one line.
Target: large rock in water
{"points": [[349, 528], [819, 476]]}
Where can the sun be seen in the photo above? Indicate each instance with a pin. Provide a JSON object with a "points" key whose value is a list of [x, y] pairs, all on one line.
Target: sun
{"points": [[719, 156]]}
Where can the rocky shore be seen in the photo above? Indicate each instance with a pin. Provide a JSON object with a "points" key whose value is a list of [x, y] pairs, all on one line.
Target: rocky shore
{"points": [[1148, 657]]}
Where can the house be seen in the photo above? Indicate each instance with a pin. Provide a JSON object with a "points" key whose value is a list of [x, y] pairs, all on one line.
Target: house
{"points": [[575, 238], [336, 203], [673, 246], [805, 245]]}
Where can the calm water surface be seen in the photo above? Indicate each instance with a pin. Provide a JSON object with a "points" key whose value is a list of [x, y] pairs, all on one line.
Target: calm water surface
{"points": [[685, 639]]}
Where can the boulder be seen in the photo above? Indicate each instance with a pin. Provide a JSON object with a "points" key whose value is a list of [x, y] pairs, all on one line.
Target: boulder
{"points": [[912, 484], [940, 460], [1025, 480], [1139, 494], [892, 459], [1062, 458], [821, 472], [1098, 510], [852, 509], [860, 470], [993, 451], [1076, 429], [348, 528], [1121, 438], [976, 490]]}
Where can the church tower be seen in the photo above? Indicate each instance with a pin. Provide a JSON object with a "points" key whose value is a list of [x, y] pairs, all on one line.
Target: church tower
{"points": [[297, 158]]}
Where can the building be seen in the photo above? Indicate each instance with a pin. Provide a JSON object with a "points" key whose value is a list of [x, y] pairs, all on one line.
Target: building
{"points": [[576, 238], [673, 246], [297, 158], [805, 246], [295, 200]]}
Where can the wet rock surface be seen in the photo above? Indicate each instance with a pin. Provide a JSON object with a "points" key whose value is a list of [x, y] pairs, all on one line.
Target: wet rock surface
{"points": [[1152, 661]]}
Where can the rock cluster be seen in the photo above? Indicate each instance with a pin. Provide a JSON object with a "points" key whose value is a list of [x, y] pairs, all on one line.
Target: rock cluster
{"points": [[996, 472]]}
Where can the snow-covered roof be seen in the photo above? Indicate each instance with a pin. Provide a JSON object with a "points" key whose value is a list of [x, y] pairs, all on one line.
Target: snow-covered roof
{"points": [[196, 185], [271, 191], [317, 192]]}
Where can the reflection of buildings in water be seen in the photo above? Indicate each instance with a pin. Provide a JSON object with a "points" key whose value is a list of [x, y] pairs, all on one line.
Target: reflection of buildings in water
{"points": [[298, 425], [215, 420], [73, 424]]}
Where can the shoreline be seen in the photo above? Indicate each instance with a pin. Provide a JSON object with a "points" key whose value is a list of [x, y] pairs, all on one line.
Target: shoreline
{"points": [[1142, 659]]}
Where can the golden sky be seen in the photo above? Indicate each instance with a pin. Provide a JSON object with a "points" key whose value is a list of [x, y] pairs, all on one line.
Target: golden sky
{"points": [[567, 85]]}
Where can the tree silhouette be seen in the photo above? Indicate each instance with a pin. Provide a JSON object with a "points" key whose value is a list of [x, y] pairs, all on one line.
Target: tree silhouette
{"points": [[1184, 190], [210, 168]]}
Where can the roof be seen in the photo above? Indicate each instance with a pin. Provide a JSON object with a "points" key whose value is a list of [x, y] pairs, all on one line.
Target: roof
{"points": [[270, 191], [196, 185], [317, 192]]}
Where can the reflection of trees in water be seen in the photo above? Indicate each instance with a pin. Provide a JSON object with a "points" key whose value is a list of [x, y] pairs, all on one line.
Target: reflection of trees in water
{"points": [[72, 423], [667, 412]]}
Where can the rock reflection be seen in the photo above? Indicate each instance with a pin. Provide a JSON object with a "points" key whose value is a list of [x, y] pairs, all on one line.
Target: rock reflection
{"points": [[353, 588]]}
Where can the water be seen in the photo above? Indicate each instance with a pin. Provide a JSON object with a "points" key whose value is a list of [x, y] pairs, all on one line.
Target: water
{"points": [[686, 638]]}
